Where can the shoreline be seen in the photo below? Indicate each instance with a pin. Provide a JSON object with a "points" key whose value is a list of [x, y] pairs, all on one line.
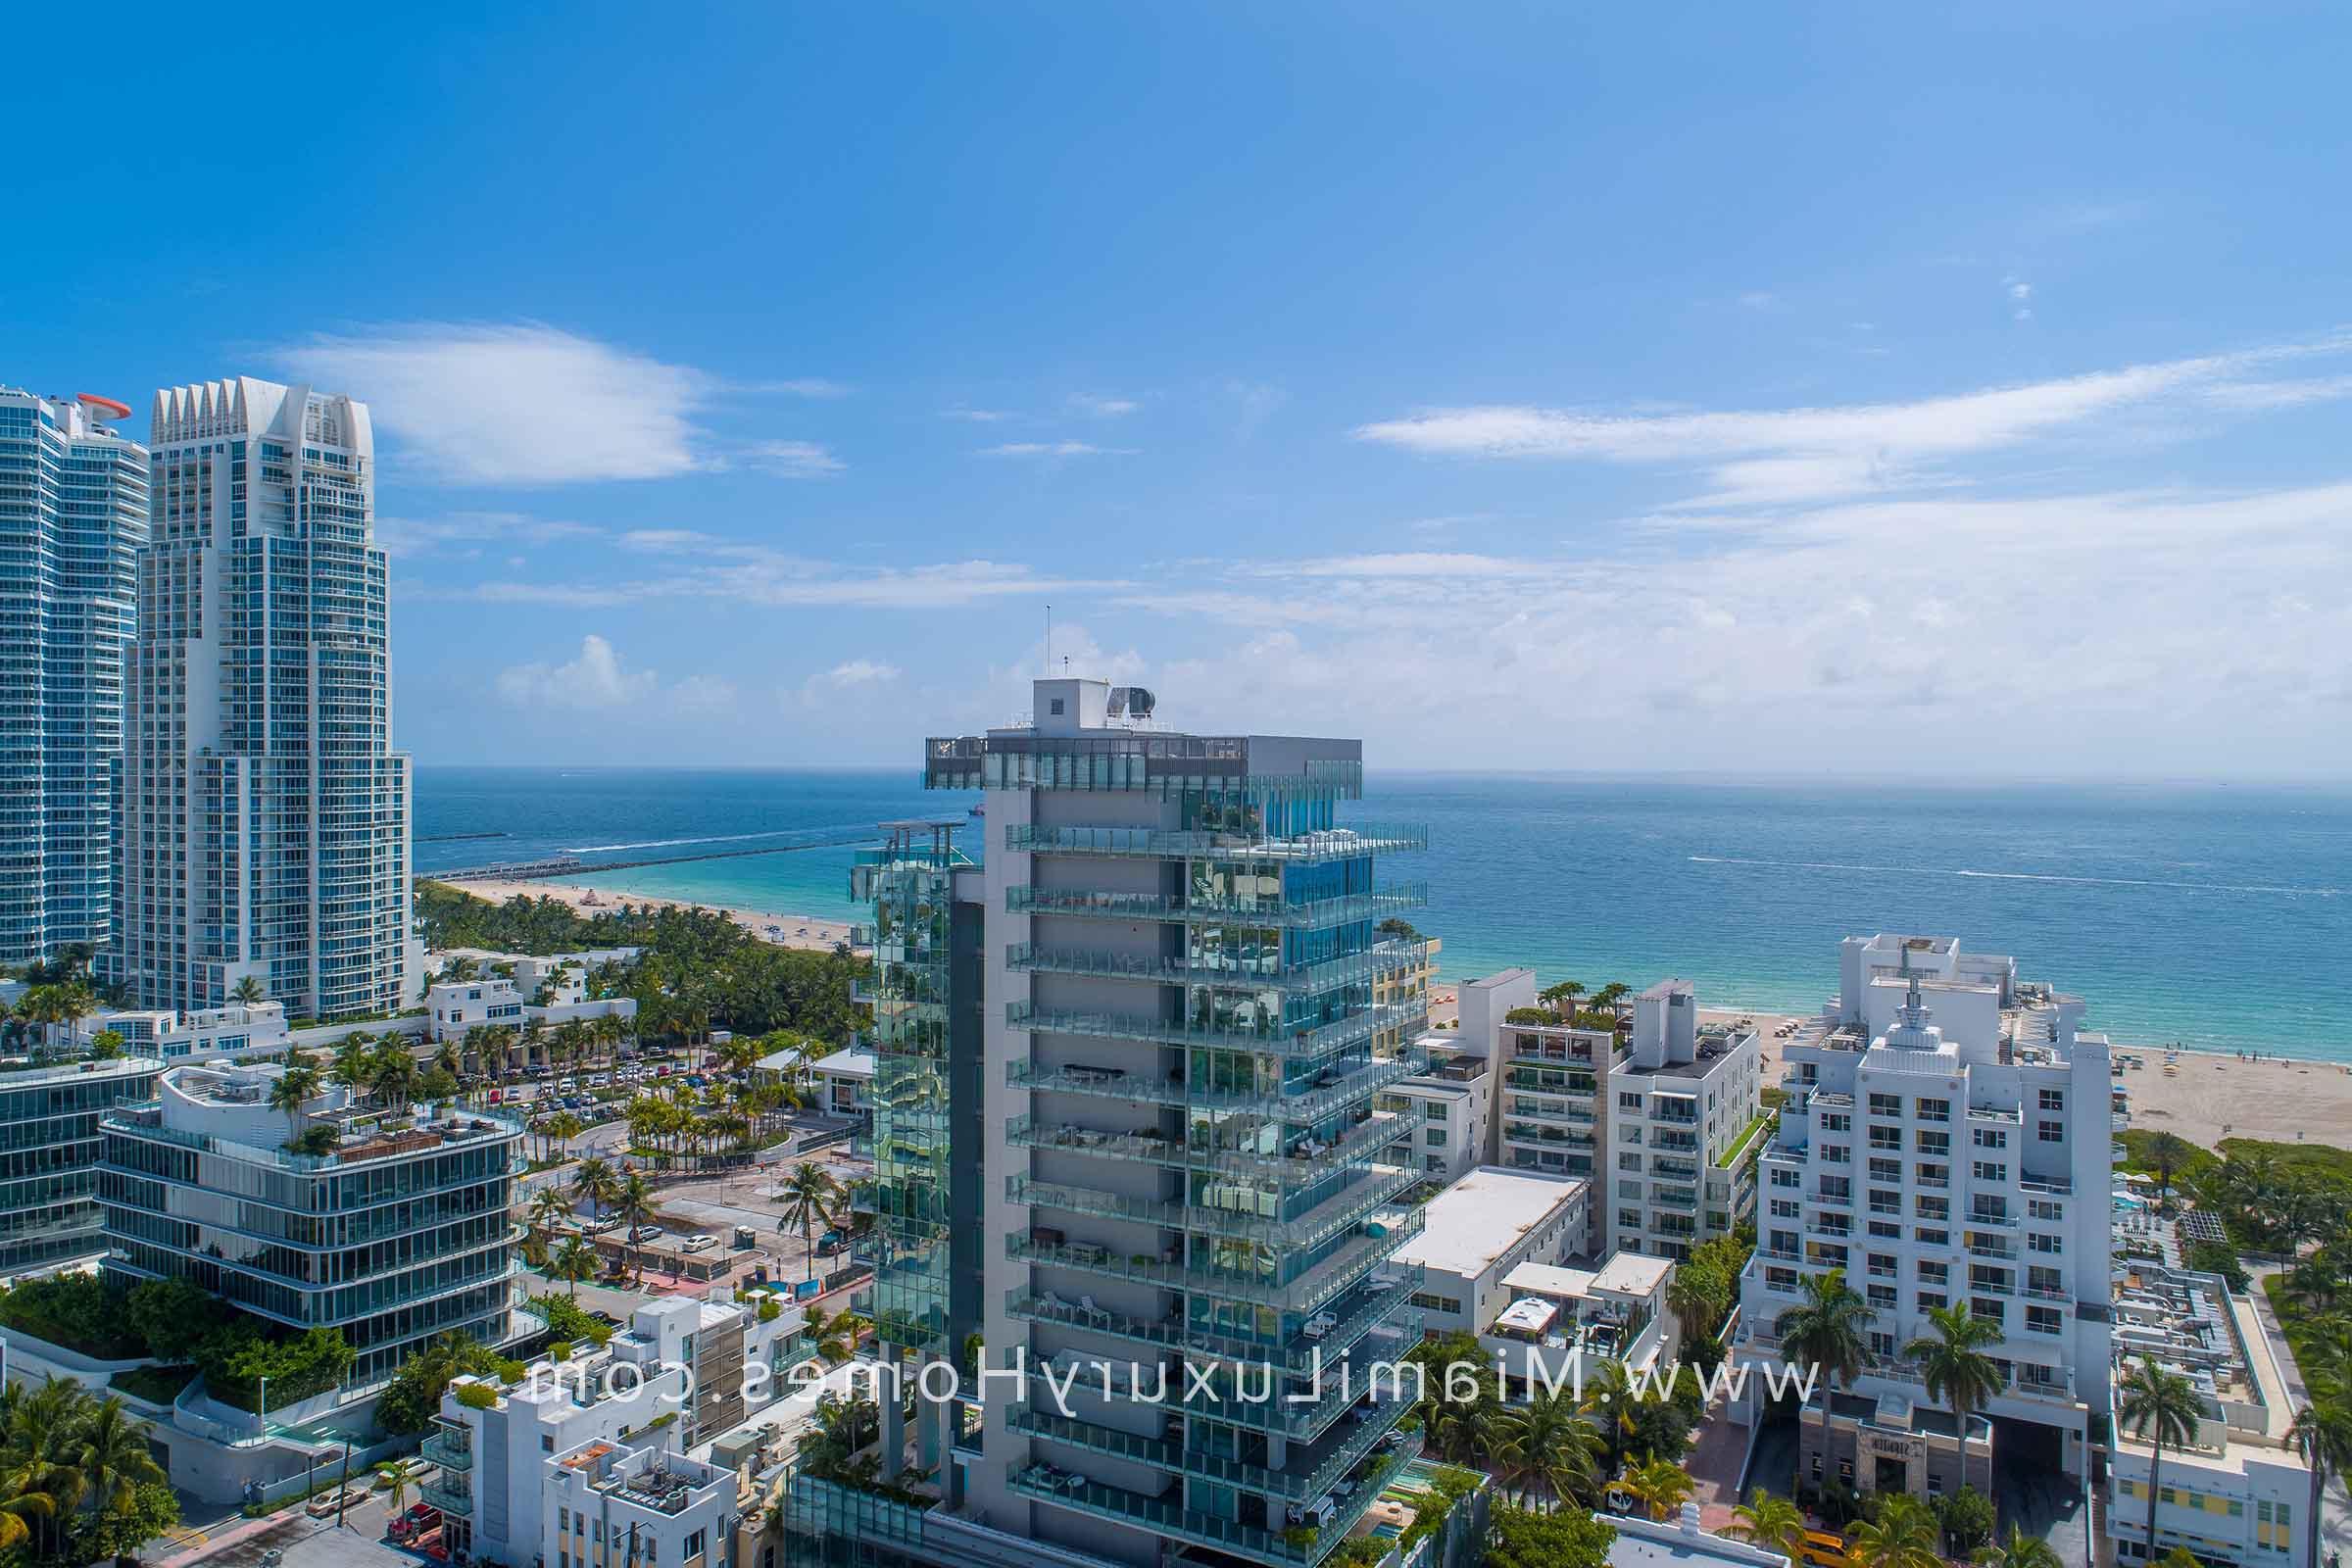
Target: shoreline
{"points": [[807, 933]]}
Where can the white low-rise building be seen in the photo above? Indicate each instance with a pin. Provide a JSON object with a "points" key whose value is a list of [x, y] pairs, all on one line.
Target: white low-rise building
{"points": [[2234, 1492], [1447, 1109], [605, 1506], [1678, 1542], [516, 990], [240, 1029], [1481, 1228], [492, 1445]]}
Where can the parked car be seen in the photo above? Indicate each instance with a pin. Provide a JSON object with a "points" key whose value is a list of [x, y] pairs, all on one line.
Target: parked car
{"points": [[698, 1244], [496, 1096], [646, 1232], [567, 1086]]}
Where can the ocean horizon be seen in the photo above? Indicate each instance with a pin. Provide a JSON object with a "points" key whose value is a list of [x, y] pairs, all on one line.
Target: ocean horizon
{"points": [[2183, 913]]}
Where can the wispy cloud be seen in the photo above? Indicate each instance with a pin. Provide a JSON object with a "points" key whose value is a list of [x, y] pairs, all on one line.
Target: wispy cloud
{"points": [[1053, 449], [793, 459], [975, 416], [1102, 407], [1777, 456], [467, 530], [806, 386], [513, 405], [852, 677]]}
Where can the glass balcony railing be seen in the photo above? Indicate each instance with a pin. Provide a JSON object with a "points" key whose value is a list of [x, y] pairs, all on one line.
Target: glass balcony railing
{"points": [[1314, 914], [1298, 1162], [1379, 1185], [1335, 844], [1360, 1313], [1322, 1281], [447, 1490], [1382, 960], [448, 1448], [1305, 1040], [1334, 1089], [1306, 1415]]}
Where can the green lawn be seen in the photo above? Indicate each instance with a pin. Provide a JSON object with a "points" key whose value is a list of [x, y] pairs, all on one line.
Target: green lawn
{"points": [[2319, 1159], [1748, 1136]]}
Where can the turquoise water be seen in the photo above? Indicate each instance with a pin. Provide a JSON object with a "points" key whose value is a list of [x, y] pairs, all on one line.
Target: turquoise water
{"points": [[2216, 916]]}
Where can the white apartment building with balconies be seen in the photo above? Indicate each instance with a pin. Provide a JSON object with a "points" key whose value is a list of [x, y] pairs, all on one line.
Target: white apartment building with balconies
{"points": [[1941, 1163], [1685, 1110]]}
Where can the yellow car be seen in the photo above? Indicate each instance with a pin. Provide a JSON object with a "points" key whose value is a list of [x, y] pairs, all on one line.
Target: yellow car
{"points": [[1824, 1551]]}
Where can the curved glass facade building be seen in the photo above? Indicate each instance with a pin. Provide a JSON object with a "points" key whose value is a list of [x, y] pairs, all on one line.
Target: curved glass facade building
{"points": [[72, 518]]}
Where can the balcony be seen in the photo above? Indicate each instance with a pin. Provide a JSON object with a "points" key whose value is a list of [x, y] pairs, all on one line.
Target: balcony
{"points": [[1316, 1041], [1382, 961], [1335, 844], [1167, 1514], [1309, 1290], [1314, 914], [1317, 1225], [2053, 1186], [451, 1448], [447, 1490], [1332, 1089], [1302, 1160]]}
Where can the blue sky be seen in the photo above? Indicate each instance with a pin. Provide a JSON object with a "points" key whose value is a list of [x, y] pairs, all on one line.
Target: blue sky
{"points": [[1859, 388]]}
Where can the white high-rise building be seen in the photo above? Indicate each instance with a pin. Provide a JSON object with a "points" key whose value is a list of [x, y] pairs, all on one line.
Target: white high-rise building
{"points": [[1948, 1141], [73, 516], [266, 819]]}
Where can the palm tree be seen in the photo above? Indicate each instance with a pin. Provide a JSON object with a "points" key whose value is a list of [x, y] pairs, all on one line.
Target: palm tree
{"points": [[1956, 1370], [810, 1194], [1548, 1446], [1903, 1536], [393, 1478], [1610, 1396], [549, 1211], [634, 1200], [561, 1128], [1562, 997], [248, 991], [2167, 1152], [2322, 1435], [353, 1065], [2020, 1551], [2163, 1407], [592, 1180], [574, 1260], [392, 1074], [293, 1088], [1691, 1297], [1660, 1485], [1466, 1431], [449, 1059], [1773, 1523], [111, 1454], [1829, 1328]]}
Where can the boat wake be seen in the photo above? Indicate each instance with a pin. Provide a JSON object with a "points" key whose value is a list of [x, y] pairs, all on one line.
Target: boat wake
{"points": [[2021, 876]]}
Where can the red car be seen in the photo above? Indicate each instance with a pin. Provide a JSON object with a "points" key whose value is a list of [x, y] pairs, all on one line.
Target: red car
{"points": [[421, 1517]]}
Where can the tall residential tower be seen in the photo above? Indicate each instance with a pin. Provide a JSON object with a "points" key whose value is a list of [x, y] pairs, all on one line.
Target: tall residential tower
{"points": [[264, 814], [73, 517], [1178, 1162]]}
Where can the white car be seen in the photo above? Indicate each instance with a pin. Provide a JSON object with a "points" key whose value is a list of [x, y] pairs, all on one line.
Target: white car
{"points": [[698, 1244]]}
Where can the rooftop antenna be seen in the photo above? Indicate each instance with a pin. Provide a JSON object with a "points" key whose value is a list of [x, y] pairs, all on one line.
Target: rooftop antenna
{"points": [[1048, 639]]}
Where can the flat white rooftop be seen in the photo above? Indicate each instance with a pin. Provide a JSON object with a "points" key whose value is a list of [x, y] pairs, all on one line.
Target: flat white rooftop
{"points": [[1471, 1224], [1634, 1275]]}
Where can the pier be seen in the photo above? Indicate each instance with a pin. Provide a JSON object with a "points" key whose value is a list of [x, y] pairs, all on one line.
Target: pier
{"points": [[563, 865]]}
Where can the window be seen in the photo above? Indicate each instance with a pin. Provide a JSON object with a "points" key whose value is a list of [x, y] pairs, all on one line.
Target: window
{"points": [[1935, 1110], [1932, 1301], [2053, 1100], [2051, 1132], [2042, 1208], [563, 1520], [1882, 1296], [694, 1544], [1056, 709], [1931, 1236], [547, 1442], [1885, 1105], [2045, 1244], [1885, 1230], [1435, 1138], [1631, 1103], [1433, 1110], [1988, 1171], [1836, 1122], [1992, 1138]]}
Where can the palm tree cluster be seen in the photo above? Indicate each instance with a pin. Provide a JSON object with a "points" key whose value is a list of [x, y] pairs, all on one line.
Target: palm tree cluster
{"points": [[1561, 1449], [77, 1479], [2274, 1205], [44, 1008]]}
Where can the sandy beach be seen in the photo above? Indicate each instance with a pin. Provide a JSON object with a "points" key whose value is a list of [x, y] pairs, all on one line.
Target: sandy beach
{"points": [[784, 930]]}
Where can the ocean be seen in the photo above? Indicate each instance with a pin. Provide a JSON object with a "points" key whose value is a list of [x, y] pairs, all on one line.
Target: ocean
{"points": [[2214, 916]]}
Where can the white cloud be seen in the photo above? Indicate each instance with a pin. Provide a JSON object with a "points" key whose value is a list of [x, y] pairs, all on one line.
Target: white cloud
{"points": [[595, 679], [1053, 449], [793, 459], [1787, 455], [806, 386], [699, 565], [421, 536], [855, 675], [515, 405], [975, 416], [2260, 396], [1102, 407]]}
